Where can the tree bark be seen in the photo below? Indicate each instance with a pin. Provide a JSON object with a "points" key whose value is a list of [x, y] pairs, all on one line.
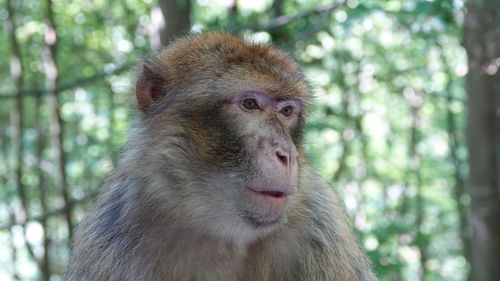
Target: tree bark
{"points": [[455, 142], [42, 187], [56, 123], [17, 72], [482, 42], [176, 15]]}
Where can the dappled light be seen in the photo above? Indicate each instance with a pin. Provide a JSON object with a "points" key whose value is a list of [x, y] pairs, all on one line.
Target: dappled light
{"points": [[387, 127]]}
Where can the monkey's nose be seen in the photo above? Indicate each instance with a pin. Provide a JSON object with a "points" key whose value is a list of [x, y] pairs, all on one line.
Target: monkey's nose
{"points": [[283, 157]]}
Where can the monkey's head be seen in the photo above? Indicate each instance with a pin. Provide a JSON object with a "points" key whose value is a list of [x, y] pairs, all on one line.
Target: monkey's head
{"points": [[219, 133]]}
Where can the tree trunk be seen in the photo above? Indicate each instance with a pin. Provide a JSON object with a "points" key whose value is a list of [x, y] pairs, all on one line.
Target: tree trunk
{"points": [[455, 137], [42, 187], [56, 124], [17, 72], [482, 41], [176, 15]]}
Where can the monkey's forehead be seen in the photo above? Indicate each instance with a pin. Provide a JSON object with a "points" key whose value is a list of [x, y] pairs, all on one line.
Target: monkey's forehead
{"points": [[221, 52]]}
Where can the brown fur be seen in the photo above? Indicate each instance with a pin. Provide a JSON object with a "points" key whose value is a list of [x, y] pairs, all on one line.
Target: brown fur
{"points": [[170, 211]]}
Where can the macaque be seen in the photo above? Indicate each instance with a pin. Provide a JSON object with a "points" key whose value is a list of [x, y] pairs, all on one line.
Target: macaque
{"points": [[213, 184]]}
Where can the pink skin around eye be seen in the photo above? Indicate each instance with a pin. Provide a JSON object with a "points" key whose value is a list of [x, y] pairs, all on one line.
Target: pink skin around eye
{"points": [[294, 103], [267, 103], [264, 102]]}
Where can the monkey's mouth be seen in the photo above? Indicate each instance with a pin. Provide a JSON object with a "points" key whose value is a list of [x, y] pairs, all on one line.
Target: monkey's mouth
{"points": [[269, 193], [265, 206]]}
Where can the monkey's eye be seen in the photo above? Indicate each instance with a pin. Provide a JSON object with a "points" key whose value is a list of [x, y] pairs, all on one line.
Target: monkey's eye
{"points": [[287, 110], [250, 104]]}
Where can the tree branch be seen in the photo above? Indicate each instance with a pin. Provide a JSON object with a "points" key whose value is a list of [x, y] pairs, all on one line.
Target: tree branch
{"points": [[317, 25], [45, 216], [286, 19], [71, 84]]}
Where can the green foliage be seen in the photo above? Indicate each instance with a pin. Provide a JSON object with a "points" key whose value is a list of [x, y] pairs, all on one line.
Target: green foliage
{"points": [[387, 79]]}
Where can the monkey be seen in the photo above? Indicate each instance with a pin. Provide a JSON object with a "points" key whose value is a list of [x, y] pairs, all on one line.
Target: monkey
{"points": [[213, 183]]}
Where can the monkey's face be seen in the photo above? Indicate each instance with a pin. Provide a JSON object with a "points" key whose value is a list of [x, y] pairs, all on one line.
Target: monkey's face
{"points": [[227, 118], [246, 149], [264, 125]]}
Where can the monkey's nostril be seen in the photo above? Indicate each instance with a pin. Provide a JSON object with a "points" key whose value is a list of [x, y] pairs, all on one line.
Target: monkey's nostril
{"points": [[282, 157]]}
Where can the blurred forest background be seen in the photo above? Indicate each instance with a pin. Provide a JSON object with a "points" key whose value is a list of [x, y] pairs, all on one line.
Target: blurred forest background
{"points": [[405, 124]]}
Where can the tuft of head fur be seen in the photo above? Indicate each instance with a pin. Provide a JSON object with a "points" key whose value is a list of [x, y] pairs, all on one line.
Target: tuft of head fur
{"points": [[192, 54]]}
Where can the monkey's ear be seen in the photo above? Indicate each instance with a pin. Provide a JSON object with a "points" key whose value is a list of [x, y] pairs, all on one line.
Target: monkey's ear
{"points": [[148, 88]]}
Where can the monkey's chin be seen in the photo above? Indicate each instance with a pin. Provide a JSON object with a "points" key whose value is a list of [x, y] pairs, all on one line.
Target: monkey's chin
{"points": [[259, 221], [264, 208]]}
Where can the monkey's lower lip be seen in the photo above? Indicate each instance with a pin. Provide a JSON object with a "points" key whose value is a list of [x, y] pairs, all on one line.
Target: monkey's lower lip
{"points": [[269, 193]]}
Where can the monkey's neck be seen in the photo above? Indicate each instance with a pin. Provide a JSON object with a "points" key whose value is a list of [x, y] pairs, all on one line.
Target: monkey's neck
{"points": [[169, 243], [194, 255]]}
